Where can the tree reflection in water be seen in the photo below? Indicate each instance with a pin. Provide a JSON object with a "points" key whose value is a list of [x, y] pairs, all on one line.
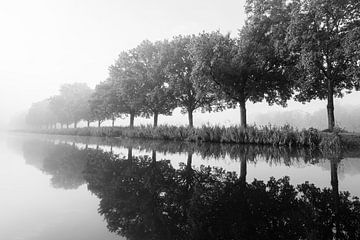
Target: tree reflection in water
{"points": [[142, 198], [145, 198]]}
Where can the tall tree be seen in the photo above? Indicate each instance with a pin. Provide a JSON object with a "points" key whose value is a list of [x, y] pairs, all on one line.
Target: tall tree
{"points": [[159, 97], [321, 36], [128, 77], [190, 92], [248, 68]]}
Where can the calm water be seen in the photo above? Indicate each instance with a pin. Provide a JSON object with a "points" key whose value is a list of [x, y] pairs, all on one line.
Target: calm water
{"points": [[56, 187]]}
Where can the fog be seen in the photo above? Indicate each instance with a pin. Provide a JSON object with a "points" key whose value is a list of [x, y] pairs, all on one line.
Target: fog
{"points": [[46, 43]]}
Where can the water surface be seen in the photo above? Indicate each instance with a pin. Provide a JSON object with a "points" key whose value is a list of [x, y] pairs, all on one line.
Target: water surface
{"points": [[56, 187]]}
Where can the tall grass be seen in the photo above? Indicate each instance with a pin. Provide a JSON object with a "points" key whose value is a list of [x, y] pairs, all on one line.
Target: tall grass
{"points": [[265, 135]]}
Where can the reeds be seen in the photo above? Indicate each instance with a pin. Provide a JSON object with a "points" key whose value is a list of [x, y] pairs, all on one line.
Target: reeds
{"points": [[263, 135]]}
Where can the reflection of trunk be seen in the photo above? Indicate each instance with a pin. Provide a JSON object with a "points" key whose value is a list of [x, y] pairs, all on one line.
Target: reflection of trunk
{"points": [[156, 115], [153, 156], [132, 117], [190, 115], [243, 168], [243, 114], [189, 161], [336, 199], [130, 156], [330, 105]]}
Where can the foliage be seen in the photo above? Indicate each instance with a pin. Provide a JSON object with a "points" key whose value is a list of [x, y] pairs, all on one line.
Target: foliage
{"points": [[190, 92], [103, 102], [322, 39], [153, 58], [252, 67], [40, 114], [129, 80], [145, 199]]}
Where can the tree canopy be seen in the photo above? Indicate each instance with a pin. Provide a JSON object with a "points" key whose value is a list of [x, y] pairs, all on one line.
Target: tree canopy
{"points": [[252, 67], [323, 37]]}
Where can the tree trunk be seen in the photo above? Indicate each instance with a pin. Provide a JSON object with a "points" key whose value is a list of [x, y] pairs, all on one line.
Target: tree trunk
{"points": [[99, 123], [88, 123], [67, 125], [75, 124], [132, 117], [156, 115], [330, 106], [191, 120], [243, 114], [113, 122]]}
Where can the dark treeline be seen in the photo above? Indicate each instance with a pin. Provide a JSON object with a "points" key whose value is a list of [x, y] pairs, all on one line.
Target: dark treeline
{"points": [[296, 49]]}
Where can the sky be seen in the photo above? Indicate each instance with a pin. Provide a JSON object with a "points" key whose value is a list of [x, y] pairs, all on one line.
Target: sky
{"points": [[45, 43]]}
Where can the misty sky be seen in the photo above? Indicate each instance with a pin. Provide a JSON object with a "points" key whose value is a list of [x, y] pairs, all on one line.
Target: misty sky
{"points": [[45, 43]]}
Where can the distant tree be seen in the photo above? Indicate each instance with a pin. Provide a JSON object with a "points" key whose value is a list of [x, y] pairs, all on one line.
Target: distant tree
{"points": [[40, 115], [76, 99], [159, 97], [58, 108], [128, 77], [101, 107], [323, 35], [251, 67], [190, 93]]}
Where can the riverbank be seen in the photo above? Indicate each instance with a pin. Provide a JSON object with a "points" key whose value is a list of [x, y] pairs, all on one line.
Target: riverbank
{"points": [[267, 135]]}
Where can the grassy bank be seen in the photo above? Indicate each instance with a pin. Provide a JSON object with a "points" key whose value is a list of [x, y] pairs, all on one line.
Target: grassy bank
{"points": [[267, 135]]}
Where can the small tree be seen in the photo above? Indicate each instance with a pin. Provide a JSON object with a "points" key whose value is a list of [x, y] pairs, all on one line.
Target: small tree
{"points": [[76, 98], [58, 107], [101, 105], [40, 114]]}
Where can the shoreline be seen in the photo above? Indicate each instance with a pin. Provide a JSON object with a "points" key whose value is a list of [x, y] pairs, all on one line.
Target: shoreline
{"points": [[276, 136]]}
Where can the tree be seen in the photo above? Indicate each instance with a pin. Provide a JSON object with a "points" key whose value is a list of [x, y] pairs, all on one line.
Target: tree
{"points": [[58, 107], [159, 97], [76, 99], [250, 67], [322, 38], [40, 114], [128, 77], [103, 102], [189, 91]]}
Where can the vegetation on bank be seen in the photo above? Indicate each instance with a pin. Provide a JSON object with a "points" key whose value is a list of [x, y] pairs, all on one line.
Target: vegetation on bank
{"points": [[266, 135]]}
